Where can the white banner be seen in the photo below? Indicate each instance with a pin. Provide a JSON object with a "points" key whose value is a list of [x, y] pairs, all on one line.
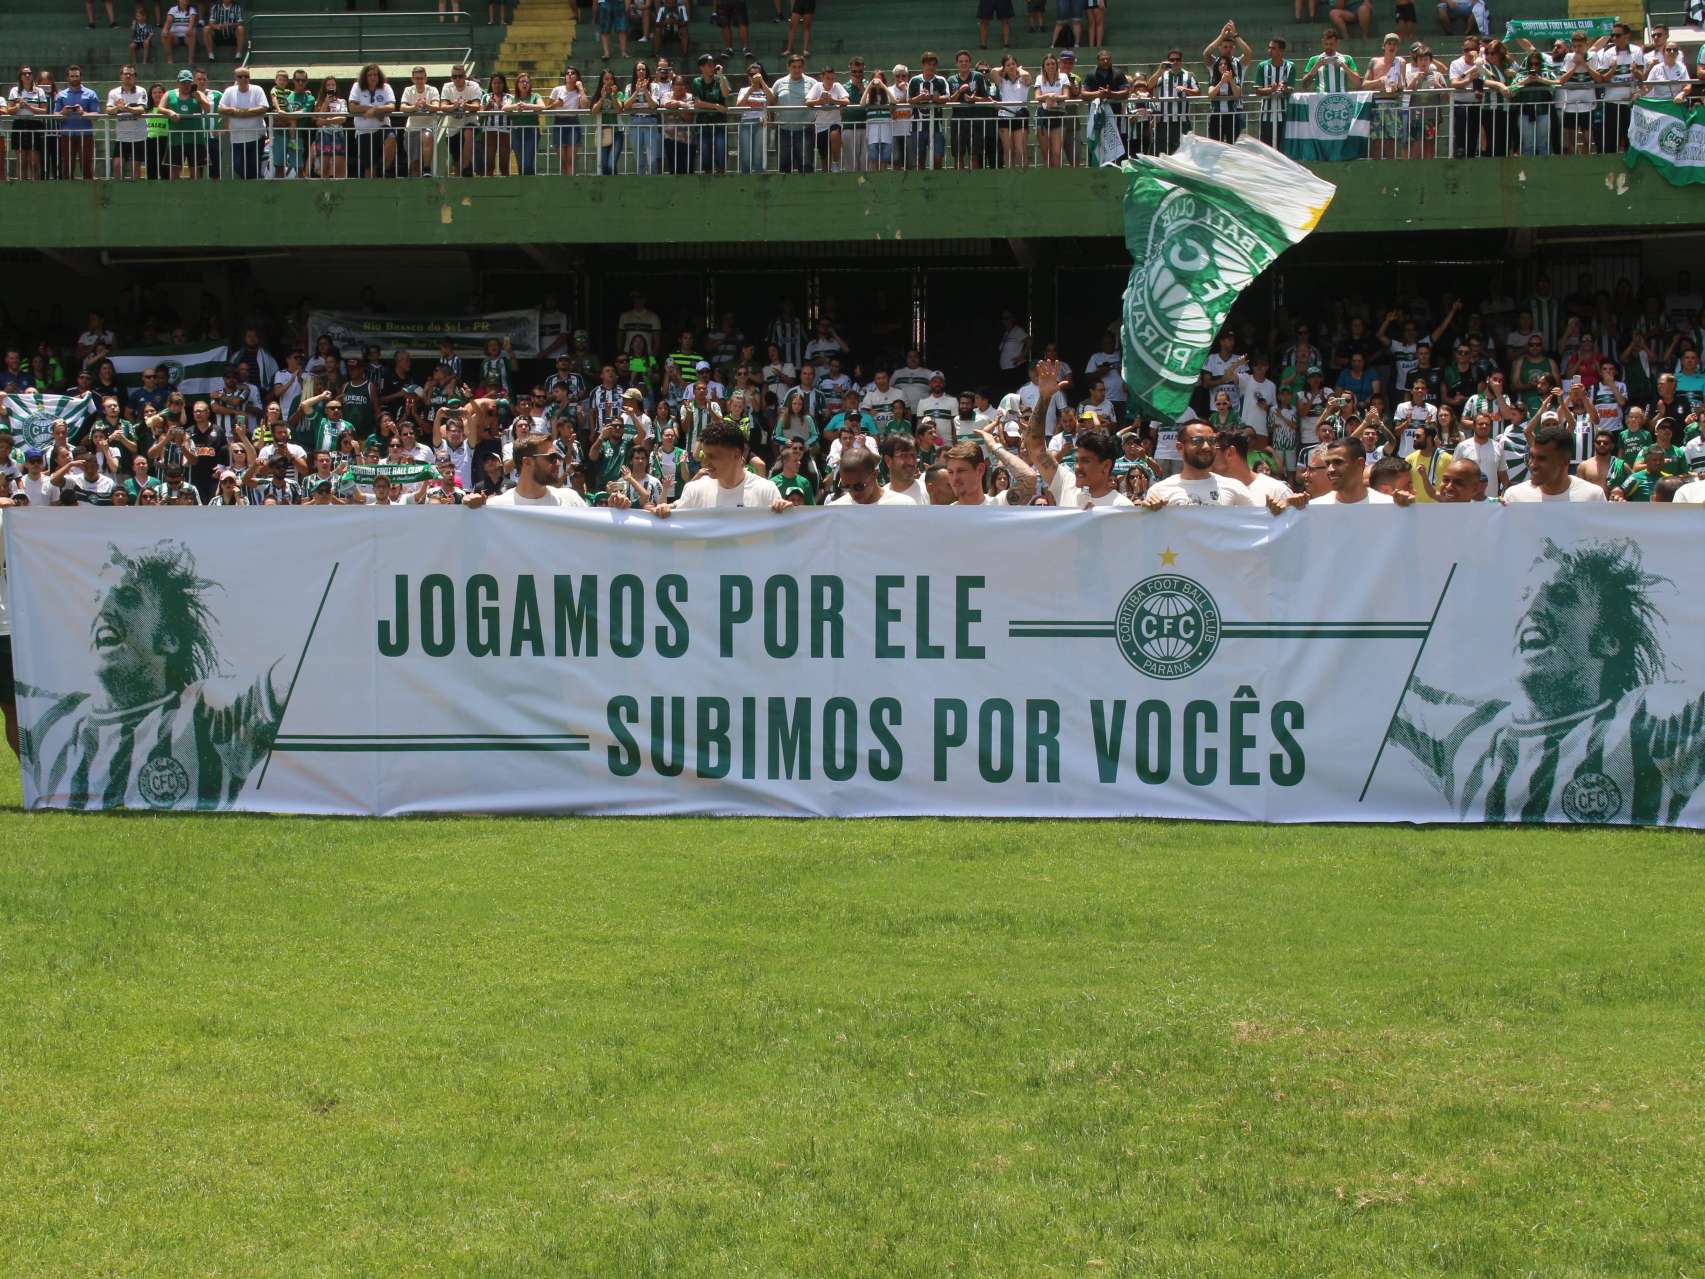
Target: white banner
{"points": [[419, 335], [1529, 664]]}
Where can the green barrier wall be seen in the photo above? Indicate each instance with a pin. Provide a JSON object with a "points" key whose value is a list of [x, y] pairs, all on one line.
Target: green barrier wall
{"points": [[1373, 196]]}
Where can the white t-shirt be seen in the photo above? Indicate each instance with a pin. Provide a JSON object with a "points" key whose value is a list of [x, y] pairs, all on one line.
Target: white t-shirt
{"points": [[552, 497], [917, 495], [129, 128], [424, 97], [1029, 393], [942, 408], [40, 491], [179, 17], [1012, 348], [884, 497], [1249, 390], [1489, 457], [1579, 490], [245, 128], [363, 97], [1374, 498], [1691, 494], [912, 383], [705, 493], [1262, 487], [828, 99], [1214, 490], [1106, 367], [5, 584]]}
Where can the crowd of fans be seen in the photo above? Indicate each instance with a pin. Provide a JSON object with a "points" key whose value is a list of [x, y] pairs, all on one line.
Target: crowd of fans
{"points": [[1492, 98], [1576, 394]]}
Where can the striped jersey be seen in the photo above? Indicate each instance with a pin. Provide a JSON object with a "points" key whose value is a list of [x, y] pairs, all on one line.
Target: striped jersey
{"points": [[1268, 74], [1596, 765], [788, 333], [1167, 90], [177, 751]]}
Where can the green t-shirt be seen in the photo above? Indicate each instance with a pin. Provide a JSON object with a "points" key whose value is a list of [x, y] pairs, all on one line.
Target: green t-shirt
{"points": [[1635, 444], [323, 432], [795, 484], [1331, 78], [708, 91], [211, 122], [186, 106], [298, 101], [525, 119], [1637, 486], [358, 406]]}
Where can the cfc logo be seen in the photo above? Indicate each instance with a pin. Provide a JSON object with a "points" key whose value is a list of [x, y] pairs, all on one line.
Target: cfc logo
{"points": [[1167, 626]]}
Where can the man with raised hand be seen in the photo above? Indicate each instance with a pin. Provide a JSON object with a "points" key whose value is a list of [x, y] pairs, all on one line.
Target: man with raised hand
{"points": [[1091, 485], [725, 483]]}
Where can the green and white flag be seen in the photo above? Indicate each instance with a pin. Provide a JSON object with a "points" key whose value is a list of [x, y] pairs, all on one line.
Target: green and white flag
{"points": [[194, 371], [1105, 144], [1328, 126], [31, 416], [1545, 30], [1200, 224], [1671, 138]]}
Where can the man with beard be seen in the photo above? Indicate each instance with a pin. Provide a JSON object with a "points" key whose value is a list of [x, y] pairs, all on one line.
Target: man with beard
{"points": [[900, 455], [1594, 733], [153, 736], [1196, 484]]}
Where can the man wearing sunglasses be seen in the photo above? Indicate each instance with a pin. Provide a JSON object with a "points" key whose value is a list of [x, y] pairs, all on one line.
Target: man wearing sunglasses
{"points": [[1171, 88], [859, 485]]}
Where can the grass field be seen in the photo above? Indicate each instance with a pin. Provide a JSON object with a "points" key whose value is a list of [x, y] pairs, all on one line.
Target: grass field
{"points": [[249, 1046]]}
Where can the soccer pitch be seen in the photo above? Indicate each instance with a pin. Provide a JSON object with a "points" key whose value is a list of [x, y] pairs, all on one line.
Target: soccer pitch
{"points": [[257, 1046]]}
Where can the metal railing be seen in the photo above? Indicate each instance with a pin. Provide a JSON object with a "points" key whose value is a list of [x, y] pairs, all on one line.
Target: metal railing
{"points": [[520, 141], [323, 39]]}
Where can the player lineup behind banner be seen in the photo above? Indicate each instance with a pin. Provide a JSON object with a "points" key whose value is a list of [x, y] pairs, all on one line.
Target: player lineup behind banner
{"points": [[1208, 665]]}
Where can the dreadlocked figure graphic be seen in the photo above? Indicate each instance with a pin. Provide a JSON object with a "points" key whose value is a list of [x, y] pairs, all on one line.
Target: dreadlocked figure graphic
{"points": [[153, 737], [1596, 734]]}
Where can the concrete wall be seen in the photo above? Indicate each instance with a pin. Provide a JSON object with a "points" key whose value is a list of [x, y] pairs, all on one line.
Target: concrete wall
{"points": [[1373, 196]]}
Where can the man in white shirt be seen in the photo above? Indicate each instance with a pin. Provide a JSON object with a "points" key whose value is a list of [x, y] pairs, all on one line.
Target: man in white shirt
{"points": [[461, 99], [35, 483], [420, 107], [967, 463], [1196, 484], [244, 107], [1231, 460], [536, 480], [1106, 364], [1347, 473], [1625, 64], [1014, 345], [129, 103], [1256, 394], [1090, 484], [880, 400], [725, 483], [1485, 452], [1690, 494], [938, 405], [1548, 478], [912, 380], [900, 456], [859, 485]]}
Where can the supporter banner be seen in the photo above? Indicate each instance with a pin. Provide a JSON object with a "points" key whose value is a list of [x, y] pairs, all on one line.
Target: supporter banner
{"points": [[396, 472], [1671, 138], [1105, 144], [1545, 30], [420, 334], [1328, 126], [1202, 664], [1200, 224], [193, 370], [31, 416]]}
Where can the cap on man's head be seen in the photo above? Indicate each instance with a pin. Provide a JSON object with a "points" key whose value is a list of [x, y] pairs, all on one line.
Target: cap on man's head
{"points": [[581, 335], [704, 58], [703, 366], [186, 77], [32, 455], [633, 393], [1068, 55]]}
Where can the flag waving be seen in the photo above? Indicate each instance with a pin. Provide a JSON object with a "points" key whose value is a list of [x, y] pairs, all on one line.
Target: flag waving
{"points": [[193, 371], [1671, 138], [31, 416], [1200, 225]]}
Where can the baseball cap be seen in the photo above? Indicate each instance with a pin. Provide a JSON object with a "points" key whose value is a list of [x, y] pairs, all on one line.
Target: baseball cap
{"points": [[633, 393], [704, 58], [1068, 55], [1547, 417], [372, 442], [581, 335], [32, 455], [186, 77], [703, 366], [1311, 370], [1087, 416], [317, 483]]}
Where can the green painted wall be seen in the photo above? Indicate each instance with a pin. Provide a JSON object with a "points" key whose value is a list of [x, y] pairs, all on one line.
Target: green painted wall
{"points": [[1373, 196]]}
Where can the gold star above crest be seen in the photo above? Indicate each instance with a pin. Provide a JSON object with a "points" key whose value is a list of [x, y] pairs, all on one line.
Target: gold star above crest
{"points": [[1168, 558]]}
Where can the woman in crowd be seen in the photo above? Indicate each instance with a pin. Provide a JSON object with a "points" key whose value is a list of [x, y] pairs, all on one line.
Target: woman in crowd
{"points": [[494, 126], [568, 102], [607, 106], [1012, 88], [644, 123], [331, 113], [525, 107]]}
